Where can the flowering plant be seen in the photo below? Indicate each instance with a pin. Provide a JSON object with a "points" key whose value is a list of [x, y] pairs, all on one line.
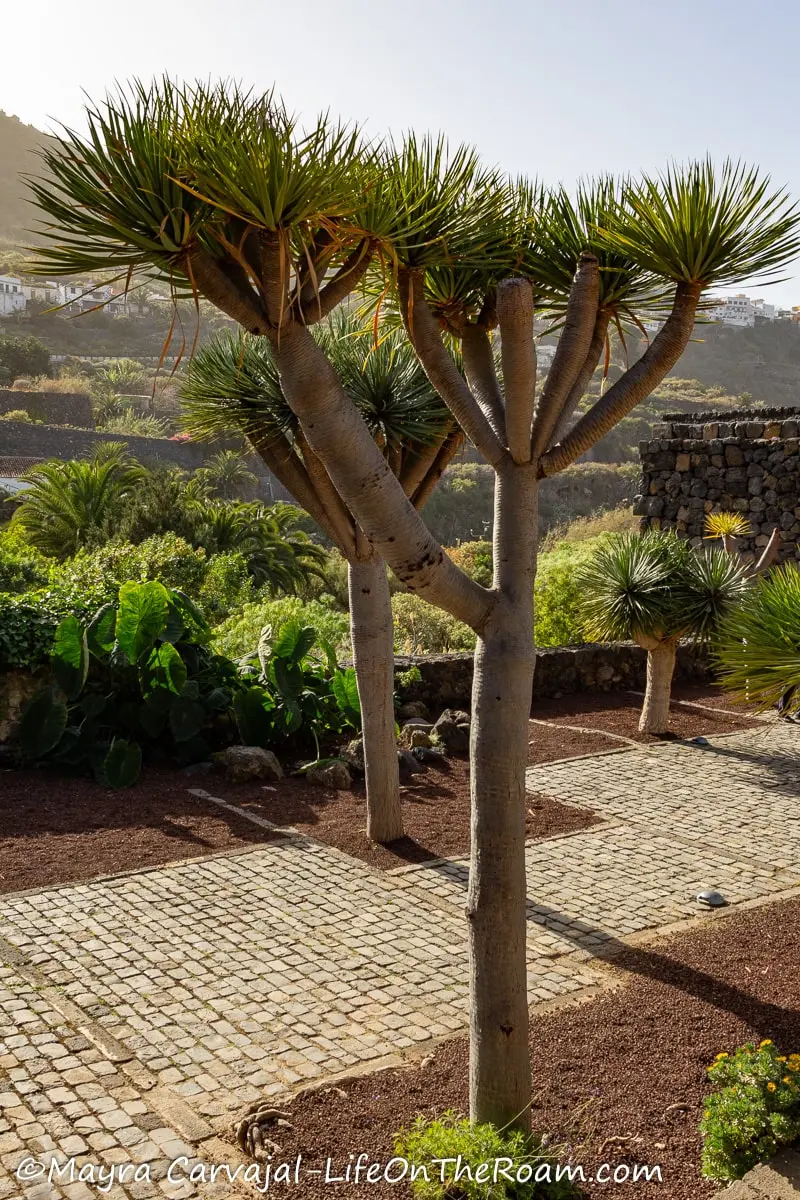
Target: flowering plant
{"points": [[754, 1110]]}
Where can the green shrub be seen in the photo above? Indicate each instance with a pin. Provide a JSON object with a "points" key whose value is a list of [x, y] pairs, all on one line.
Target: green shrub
{"points": [[165, 557], [419, 628], [476, 559], [21, 568], [227, 586], [754, 1111], [491, 1164], [20, 415], [557, 596], [28, 623], [239, 634]]}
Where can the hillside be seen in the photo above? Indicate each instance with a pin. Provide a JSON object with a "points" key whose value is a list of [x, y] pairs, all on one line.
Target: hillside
{"points": [[18, 156], [764, 361]]}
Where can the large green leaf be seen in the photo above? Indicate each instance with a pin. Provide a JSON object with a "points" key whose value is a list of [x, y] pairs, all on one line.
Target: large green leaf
{"points": [[186, 718], [293, 641], [287, 677], [42, 725], [164, 668], [345, 690], [252, 710], [100, 634], [141, 618], [70, 657], [122, 764]]}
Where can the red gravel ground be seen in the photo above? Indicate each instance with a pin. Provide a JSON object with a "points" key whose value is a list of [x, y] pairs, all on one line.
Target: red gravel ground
{"points": [[56, 830], [620, 1078]]}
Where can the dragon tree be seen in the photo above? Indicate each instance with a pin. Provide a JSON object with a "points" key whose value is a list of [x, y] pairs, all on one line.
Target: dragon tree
{"points": [[225, 196]]}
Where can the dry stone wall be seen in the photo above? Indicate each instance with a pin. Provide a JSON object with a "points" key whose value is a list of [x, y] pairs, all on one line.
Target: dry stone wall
{"points": [[746, 462]]}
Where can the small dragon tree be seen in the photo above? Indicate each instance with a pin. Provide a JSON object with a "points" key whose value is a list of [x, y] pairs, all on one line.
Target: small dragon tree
{"points": [[654, 589], [222, 194], [233, 385]]}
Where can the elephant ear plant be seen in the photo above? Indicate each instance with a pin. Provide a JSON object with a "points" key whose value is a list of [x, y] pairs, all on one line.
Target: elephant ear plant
{"points": [[138, 676], [224, 196], [654, 589]]}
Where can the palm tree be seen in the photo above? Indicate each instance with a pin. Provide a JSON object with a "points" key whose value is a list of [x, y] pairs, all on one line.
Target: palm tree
{"points": [[227, 475], [221, 194], [68, 502], [655, 589], [278, 556], [232, 385], [758, 648]]}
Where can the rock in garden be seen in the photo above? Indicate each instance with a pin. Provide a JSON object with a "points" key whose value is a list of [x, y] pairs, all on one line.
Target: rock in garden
{"points": [[249, 762], [413, 708], [452, 730], [711, 899], [419, 737], [354, 756], [335, 775], [408, 764], [418, 723], [431, 754]]}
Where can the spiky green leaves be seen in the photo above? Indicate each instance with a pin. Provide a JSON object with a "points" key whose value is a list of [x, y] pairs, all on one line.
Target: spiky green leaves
{"points": [[655, 585], [759, 644], [705, 225]]}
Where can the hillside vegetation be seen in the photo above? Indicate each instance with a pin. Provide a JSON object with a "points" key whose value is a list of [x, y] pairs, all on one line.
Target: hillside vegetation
{"points": [[19, 144]]}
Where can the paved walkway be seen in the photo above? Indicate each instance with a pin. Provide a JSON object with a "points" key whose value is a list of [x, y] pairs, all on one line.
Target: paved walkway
{"points": [[141, 1012]]}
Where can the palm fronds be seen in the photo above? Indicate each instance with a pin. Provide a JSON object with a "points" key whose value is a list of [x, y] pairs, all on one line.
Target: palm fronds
{"points": [[727, 524], [758, 648]]}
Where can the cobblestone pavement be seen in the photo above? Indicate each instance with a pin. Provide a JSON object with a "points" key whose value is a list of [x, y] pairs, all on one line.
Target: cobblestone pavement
{"points": [[139, 1012]]}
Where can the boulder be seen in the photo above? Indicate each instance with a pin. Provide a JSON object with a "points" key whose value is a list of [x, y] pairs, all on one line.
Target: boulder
{"points": [[335, 775], [452, 731], [408, 764], [413, 708], [248, 762], [354, 756]]}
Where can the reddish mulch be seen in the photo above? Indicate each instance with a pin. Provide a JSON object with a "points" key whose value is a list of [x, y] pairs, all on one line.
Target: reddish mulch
{"points": [[619, 712], [613, 1067], [60, 830], [435, 814]]}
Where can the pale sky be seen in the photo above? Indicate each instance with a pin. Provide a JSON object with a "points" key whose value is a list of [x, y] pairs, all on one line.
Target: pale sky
{"points": [[553, 88]]}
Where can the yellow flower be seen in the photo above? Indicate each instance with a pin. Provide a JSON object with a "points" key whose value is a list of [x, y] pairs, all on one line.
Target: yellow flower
{"points": [[766, 1042], [782, 1058], [770, 1087], [786, 1079], [721, 1056]]}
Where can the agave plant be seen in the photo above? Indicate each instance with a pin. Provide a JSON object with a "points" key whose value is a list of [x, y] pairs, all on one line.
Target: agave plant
{"points": [[727, 526], [758, 649], [655, 589], [68, 502]]}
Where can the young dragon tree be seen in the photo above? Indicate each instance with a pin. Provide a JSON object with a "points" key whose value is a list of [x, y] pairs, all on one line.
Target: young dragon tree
{"points": [[655, 589], [224, 195], [233, 385]]}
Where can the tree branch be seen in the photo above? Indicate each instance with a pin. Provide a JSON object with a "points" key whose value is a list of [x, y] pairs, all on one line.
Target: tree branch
{"points": [[242, 305], [576, 392], [476, 349], [276, 452], [425, 337], [345, 281], [339, 436], [274, 275], [515, 317], [416, 466], [571, 352], [447, 453], [335, 512], [637, 382]]}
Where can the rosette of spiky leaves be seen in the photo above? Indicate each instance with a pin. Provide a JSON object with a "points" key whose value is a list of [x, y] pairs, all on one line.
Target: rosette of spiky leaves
{"points": [[232, 385], [727, 524], [567, 228], [758, 648], [706, 225], [655, 585]]}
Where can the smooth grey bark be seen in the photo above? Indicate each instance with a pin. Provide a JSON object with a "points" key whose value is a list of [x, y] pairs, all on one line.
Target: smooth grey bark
{"points": [[500, 1084], [660, 669], [372, 632]]}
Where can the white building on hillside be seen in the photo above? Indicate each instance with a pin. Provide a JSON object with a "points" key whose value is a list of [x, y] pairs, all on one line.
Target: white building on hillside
{"points": [[741, 311], [12, 297], [44, 291]]}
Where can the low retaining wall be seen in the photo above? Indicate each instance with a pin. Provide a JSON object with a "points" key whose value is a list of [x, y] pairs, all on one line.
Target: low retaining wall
{"points": [[447, 678], [54, 408]]}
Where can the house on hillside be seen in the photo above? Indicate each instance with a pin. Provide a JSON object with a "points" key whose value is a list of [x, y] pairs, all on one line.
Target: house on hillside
{"points": [[82, 297], [12, 297], [43, 291]]}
